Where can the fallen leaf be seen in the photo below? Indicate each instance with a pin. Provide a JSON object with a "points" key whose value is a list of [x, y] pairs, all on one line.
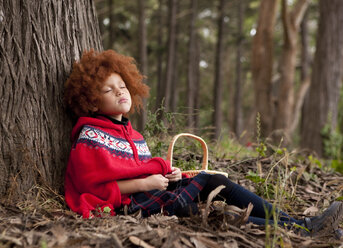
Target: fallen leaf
{"points": [[137, 241], [311, 211]]}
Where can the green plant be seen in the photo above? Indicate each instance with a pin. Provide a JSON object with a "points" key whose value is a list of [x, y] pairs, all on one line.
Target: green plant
{"points": [[156, 130], [261, 146], [333, 145], [155, 125], [230, 148], [315, 161], [262, 187], [332, 141], [43, 244]]}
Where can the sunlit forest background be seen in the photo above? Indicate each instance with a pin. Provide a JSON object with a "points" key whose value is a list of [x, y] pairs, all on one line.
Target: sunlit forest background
{"points": [[238, 69]]}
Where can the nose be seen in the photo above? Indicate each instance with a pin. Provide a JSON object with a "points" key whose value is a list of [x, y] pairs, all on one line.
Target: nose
{"points": [[119, 92]]}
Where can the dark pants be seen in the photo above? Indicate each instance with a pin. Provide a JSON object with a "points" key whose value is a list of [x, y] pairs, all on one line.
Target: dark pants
{"points": [[235, 194]]}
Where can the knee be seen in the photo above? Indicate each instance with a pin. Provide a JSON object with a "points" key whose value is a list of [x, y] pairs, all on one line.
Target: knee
{"points": [[217, 180], [220, 179]]}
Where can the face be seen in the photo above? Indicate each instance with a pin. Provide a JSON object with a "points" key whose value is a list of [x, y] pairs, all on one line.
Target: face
{"points": [[115, 98]]}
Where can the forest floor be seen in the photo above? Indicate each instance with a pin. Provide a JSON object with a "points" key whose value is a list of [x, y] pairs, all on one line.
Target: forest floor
{"points": [[300, 188]]}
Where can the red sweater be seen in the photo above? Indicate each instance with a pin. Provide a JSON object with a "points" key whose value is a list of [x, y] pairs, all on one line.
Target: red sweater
{"points": [[104, 152]]}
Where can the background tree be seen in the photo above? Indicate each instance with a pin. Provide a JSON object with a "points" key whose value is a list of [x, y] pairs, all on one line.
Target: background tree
{"points": [[238, 114], [175, 89], [196, 72], [111, 17], [192, 64], [39, 42], [160, 53], [291, 20], [143, 56], [321, 106], [266, 27], [218, 78], [262, 63], [305, 60], [170, 65]]}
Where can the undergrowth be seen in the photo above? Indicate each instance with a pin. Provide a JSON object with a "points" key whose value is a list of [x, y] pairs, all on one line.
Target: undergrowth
{"points": [[278, 185]]}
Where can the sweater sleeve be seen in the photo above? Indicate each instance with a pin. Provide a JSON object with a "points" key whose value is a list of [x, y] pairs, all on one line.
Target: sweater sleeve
{"points": [[90, 181]]}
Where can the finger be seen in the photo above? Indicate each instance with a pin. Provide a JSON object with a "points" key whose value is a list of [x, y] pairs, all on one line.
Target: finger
{"points": [[170, 177]]}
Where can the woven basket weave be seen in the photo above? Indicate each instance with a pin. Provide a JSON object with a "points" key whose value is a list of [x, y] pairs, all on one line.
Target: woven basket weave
{"points": [[204, 167]]}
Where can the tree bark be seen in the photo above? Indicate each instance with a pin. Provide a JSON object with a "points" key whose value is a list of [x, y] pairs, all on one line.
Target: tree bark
{"points": [[143, 57], [291, 20], [191, 77], [39, 42], [218, 77], [321, 106], [238, 115], [262, 64]]}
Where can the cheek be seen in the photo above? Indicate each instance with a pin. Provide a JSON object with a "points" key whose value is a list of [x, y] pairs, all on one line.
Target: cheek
{"points": [[106, 101]]}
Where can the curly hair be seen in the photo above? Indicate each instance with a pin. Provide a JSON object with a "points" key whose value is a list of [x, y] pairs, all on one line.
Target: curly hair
{"points": [[82, 88]]}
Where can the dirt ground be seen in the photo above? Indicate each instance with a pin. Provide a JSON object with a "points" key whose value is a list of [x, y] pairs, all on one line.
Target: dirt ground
{"points": [[304, 190]]}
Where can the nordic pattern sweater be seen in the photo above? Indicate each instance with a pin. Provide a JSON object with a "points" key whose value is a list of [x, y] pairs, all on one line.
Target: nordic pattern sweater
{"points": [[102, 153]]}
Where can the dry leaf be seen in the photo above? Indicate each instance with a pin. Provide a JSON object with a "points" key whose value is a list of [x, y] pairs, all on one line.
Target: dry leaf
{"points": [[209, 200], [197, 243], [136, 241], [231, 244], [246, 214], [311, 211]]}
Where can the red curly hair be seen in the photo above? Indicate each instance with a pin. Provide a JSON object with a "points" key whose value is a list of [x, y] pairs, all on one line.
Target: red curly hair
{"points": [[82, 88]]}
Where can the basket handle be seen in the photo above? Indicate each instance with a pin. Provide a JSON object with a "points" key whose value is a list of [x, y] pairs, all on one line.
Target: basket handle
{"points": [[202, 142]]}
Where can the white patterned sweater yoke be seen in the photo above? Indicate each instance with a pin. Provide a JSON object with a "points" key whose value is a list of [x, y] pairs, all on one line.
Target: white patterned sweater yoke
{"points": [[116, 146]]}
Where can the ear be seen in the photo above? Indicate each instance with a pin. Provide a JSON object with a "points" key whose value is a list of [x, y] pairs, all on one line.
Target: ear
{"points": [[95, 109]]}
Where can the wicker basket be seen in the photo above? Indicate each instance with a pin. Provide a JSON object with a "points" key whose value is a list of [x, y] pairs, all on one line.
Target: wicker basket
{"points": [[204, 167]]}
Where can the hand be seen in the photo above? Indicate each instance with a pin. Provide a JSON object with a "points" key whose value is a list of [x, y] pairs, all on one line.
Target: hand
{"points": [[175, 175], [156, 182]]}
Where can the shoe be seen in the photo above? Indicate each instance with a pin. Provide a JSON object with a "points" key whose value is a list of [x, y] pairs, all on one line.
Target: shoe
{"points": [[327, 223], [339, 234]]}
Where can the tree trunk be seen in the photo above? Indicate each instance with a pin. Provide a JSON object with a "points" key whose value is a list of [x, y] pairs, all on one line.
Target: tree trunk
{"points": [[39, 42], [283, 117], [191, 65], [143, 57], [305, 54], [238, 115], [171, 54], [262, 64], [197, 83], [160, 81], [175, 89], [321, 106], [218, 78], [305, 58]]}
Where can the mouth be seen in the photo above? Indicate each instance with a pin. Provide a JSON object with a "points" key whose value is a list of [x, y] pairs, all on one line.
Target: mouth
{"points": [[123, 100]]}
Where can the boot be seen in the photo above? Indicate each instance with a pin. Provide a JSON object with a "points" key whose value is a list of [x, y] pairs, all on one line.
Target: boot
{"points": [[327, 223]]}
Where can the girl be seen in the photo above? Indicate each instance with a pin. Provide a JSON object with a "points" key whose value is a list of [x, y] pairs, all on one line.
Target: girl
{"points": [[110, 165]]}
